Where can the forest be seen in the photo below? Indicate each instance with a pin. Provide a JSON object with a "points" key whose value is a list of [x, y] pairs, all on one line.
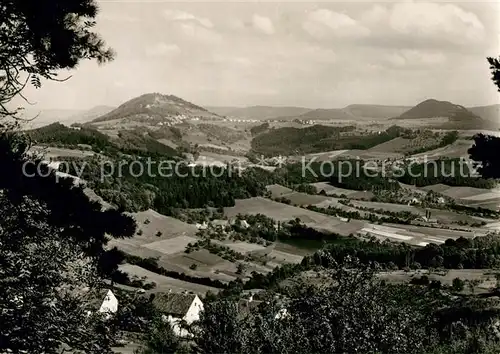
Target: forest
{"points": [[318, 138]]}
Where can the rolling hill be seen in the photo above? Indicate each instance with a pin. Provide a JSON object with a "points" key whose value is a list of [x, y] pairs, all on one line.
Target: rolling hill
{"points": [[128, 141], [155, 108], [433, 108], [458, 116], [351, 112], [490, 113]]}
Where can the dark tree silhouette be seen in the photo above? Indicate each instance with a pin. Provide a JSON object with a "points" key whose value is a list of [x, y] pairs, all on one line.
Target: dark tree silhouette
{"points": [[495, 70], [52, 237], [37, 38], [485, 149]]}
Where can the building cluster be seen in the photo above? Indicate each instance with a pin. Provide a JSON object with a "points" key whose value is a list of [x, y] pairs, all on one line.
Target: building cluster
{"points": [[179, 309], [239, 120]]}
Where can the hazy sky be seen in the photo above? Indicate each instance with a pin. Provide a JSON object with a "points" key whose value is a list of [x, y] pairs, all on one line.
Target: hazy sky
{"points": [[327, 54]]}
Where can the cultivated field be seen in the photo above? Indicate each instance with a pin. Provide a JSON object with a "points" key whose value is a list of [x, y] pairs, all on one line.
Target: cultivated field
{"points": [[416, 235], [283, 212], [284, 257], [474, 197], [303, 199], [149, 223], [54, 152]]}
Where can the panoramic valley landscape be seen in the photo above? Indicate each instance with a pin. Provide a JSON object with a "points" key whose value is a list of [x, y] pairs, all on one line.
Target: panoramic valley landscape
{"points": [[192, 195]]}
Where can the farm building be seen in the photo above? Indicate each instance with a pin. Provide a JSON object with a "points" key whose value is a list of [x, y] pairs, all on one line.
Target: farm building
{"points": [[240, 222], [177, 308], [202, 226]]}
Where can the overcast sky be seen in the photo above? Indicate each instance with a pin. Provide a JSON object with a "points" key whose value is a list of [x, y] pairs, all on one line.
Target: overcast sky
{"points": [[328, 54]]}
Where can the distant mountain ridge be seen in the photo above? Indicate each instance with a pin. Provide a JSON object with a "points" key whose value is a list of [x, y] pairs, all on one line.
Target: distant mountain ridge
{"points": [[375, 111], [351, 112], [89, 115], [427, 109], [490, 113], [156, 107], [43, 117], [260, 112]]}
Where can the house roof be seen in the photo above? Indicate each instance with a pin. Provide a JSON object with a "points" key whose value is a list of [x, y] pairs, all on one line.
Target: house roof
{"points": [[173, 303], [96, 298]]}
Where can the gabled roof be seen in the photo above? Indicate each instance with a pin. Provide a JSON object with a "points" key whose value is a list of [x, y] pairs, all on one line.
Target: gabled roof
{"points": [[96, 298], [173, 303]]}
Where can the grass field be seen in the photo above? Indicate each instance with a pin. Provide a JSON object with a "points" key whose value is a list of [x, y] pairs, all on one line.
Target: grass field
{"points": [[149, 223], [283, 212], [325, 156], [330, 190], [172, 245], [478, 197], [456, 150], [284, 257], [370, 155], [54, 152], [302, 199], [278, 190], [164, 284]]}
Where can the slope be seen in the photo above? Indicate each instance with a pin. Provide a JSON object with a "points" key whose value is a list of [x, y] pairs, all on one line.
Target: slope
{"points": [[490, 113]]}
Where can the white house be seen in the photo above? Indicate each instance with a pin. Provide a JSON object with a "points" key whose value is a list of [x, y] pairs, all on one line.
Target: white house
{"points": [[203, 226], [104, 302], [242, 223], [177, 308], [109, 304]]}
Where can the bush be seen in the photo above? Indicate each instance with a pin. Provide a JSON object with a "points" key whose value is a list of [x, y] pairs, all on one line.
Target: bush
{"points": [[458, 284], [435, 284], [423, 280]]}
